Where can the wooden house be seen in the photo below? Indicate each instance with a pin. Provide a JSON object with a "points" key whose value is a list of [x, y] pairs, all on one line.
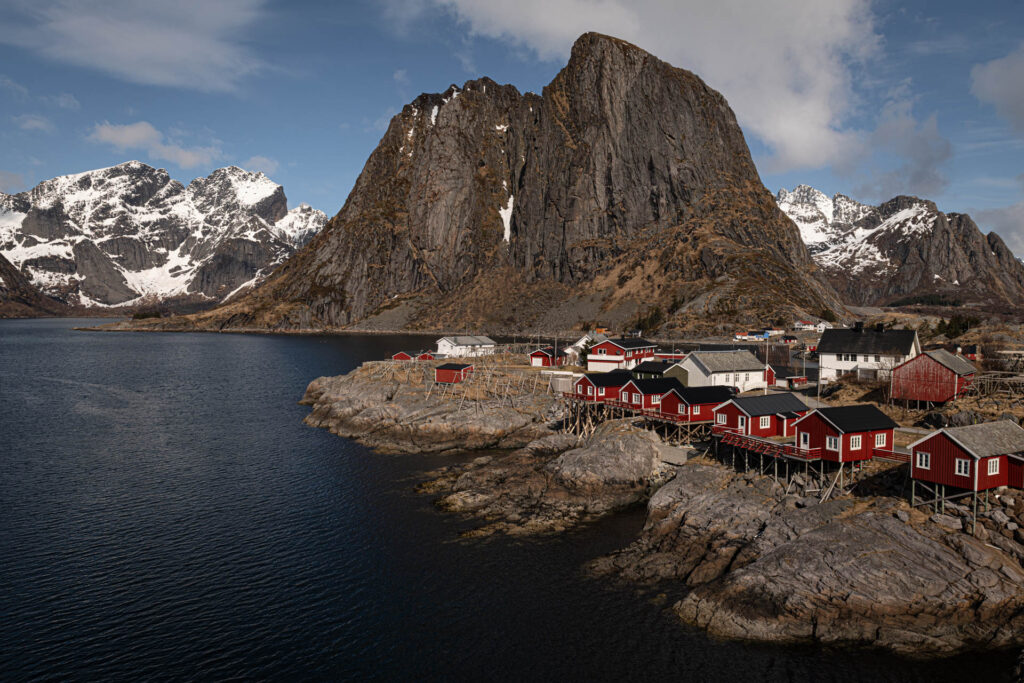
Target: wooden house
{"points": [[694, 404], [932, 377], [548, 357], [619, 354], [402, 356], [452, 373], [601, 386], [655, 369], [466, 346], [845, 433], [974, 458], [740, 369], [425, 355], [870, 353], [645, 394], [766, 415], [970, 352]]}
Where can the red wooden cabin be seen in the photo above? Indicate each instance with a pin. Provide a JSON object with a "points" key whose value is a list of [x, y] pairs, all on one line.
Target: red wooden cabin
{"points": [[645, 394], [547, 357], [401, 355], [976, 458], [694, 404], [601, 386], [933, 376], [765, 415], [452, 373], [614, 354], [425, 355], [845, 433]]}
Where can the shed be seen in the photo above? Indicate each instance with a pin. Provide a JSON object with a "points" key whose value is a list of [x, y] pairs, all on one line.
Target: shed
{"points": [[934, 377], [845, 433], [452, 373], [402, 356], [425, 355], [548, 357]]}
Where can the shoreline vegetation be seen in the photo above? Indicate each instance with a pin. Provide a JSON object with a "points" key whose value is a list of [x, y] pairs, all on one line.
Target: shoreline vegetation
{"points": [[753, 559]]}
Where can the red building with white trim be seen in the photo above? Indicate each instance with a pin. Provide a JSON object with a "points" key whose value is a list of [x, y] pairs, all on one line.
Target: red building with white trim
{"points": [[845, 433], [601, 386], [452, 373], [975, 458], [402, 356], [694, 404], [765, 416], [548, 357], [933, 377], [619, 354]]}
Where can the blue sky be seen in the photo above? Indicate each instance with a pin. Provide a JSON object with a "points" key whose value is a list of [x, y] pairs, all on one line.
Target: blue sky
{"points": [[871, 99]]}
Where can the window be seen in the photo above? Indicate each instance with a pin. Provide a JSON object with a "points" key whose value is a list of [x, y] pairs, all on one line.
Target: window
{"points": [[590, 391], [600, 391], [766, 421], [832, 443], [879, 440], [993, 466], [963, 467], [602, 352], [579, 389], [636, 398], [681, 409], [924, 460], [655, 399], [855, 442], [805, 439], [878, 359], [746, 377], [696, 410], [865, 359], [720, 418]]}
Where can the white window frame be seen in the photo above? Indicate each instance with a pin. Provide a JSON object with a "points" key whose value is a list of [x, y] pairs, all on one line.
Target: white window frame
{"points": [[992, 471], [881, 440], [590, 391], [696, 409], [742, 421], [602, 352], [962, 464], [600, 391], [856, 442], [804, 439], [832, 443], [637, 398], [766, 422], [721, 418], [655, 399], [924, 460]]}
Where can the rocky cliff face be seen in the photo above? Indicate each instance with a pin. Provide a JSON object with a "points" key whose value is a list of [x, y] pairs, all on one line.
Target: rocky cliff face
{"points": [[20, 299], [129, 234], [905, 247], [625, 187]]}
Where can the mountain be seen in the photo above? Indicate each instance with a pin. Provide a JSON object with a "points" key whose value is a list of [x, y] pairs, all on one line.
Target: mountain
{"points": [[902, 249], [130, 234], [624, 190], [20, 299]]}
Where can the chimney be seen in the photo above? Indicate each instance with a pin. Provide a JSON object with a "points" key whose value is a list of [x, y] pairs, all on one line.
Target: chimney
{"points": [[879, 328], [858, 327]]}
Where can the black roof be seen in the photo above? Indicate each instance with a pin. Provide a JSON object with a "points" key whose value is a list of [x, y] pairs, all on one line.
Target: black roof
{"points": [[702, 395], [770, 404], [659, 386], [615, 378], [866, 340], [453, 366], [656, 366], [549, 351], [857, 418], [631, 343]]}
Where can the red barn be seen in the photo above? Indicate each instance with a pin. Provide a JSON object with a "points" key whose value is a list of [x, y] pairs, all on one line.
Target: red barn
{"points": [[765, 415], [846, 433], [933, 376], [425, 355], [548, 357], [601, 386], [401, 355], [452, 373], [616, 354], [645, 394], [694, 404], [975, 458]]}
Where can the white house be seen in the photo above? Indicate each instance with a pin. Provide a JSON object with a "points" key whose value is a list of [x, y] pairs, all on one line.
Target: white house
{"points": [[739, 369], [822, 326], [465, 346], [869, 352], [574, 350]]}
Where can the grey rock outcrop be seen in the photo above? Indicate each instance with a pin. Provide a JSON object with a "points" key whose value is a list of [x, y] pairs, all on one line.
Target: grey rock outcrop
{"points": [[20, 299]]}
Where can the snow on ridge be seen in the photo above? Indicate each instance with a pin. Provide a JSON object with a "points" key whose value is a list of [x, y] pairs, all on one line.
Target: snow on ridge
{"points": [[506, 217]]}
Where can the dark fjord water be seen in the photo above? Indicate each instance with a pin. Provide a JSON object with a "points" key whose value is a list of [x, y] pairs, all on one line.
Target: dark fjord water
{"points": [[164, 514]]}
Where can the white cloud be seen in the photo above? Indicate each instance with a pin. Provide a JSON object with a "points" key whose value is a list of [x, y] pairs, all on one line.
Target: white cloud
{"points": [[784, 66], [401, 77], [193, 44], [143, 136], [11, 182], [33, 122], [260, 163], [64, 101], [19, 91], [999, 83]]}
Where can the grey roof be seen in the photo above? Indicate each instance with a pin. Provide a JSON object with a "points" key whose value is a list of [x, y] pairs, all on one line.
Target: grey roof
{"points": [[728, 361], [960, 366], [469, 340], [989, 438], [867, 341], [770, 404]]}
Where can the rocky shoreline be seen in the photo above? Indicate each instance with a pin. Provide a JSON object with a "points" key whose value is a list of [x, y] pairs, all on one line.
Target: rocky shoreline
{"points": [[751, 560]]}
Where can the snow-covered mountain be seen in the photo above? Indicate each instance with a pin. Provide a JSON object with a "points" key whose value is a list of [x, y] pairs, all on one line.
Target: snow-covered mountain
{"points": [[130, 234], [904, 247]]}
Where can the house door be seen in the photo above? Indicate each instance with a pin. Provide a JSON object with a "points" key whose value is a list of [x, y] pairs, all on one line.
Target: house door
{"points": [[805, 439], [743, 424]]}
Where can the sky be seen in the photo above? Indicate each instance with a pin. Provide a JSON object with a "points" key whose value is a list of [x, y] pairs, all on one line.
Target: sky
{"points": [[870, 99]]}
